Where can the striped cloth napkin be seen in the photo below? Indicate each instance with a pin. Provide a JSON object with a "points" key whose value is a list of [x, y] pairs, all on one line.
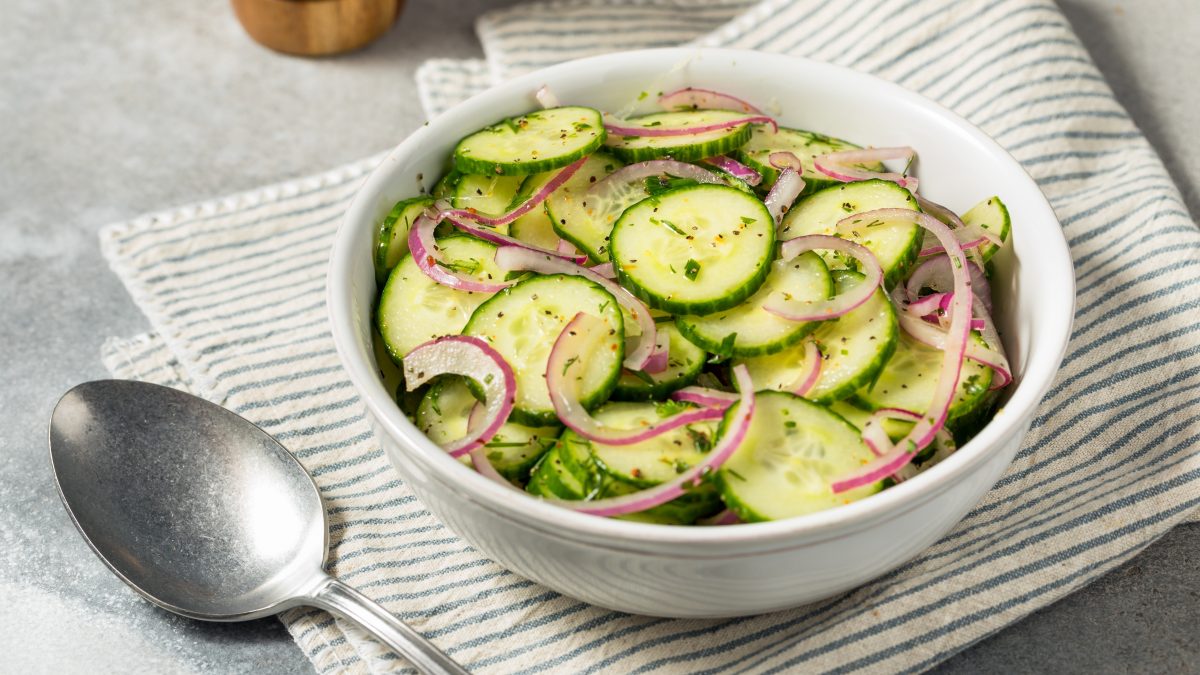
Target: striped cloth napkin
{"points": [[234, 291]]}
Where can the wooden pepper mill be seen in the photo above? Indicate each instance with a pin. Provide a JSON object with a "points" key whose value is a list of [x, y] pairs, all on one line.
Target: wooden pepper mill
{"points": [[316, 27]]}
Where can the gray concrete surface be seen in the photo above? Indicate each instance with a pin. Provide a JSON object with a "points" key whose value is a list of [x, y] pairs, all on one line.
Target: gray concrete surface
{"points": [[110, 109]]}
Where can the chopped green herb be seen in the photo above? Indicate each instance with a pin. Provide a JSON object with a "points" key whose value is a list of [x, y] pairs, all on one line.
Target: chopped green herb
{"points": [[463, 266], [643, 376], [570, 362], [748, 220], [669, 408], [726, 346]]}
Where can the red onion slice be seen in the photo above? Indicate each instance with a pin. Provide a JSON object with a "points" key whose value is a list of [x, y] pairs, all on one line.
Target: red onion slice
{"points": [[786, 160], [931, 335], [783, 193], [735, 169], [705, 396], [661, 356], [487, 234], [427, 255], [649, 169], [470, 357], [570, 352], [967, 233], [958, 338], [695, 98], [725, 517], [812, 369], [929, 304], [505, 218], [620, 129], [636, 358], [566, 249], [936, 274], [839, 165], [605, 270], [545, 97], [822, 310], [730, 441]]}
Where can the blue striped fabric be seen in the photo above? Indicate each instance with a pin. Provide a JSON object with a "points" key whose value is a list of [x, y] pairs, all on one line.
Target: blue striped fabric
{"points": [[234, 290]]}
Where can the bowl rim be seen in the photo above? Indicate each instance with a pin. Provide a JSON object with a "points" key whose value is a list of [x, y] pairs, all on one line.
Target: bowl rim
{"points": [[1045, 355]]}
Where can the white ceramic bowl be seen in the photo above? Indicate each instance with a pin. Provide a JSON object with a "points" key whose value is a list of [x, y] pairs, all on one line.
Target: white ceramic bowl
{"points": [[746, 569]]}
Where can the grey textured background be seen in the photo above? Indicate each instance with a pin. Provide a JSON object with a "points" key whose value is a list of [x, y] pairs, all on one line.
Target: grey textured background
{"points": [[110, 109]]}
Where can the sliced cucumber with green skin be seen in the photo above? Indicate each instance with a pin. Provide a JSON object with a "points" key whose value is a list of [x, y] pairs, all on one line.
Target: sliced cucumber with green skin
{"points": [[750, 330], [854, 348], [587, 220], [991, 215], [686, 148], [806, 145], [532, 143], [523, 321], [489, 195], [684, 363], [655, 460], [443, 415], [909, 380], [609, 471], [446, 185], [792, 453], [694, 250], [553, 479], [414, 309], [895, 245], [392, 241]]}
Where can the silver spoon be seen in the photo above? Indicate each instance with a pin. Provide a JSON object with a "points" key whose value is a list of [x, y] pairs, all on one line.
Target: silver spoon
{"points": [[203, 513]]}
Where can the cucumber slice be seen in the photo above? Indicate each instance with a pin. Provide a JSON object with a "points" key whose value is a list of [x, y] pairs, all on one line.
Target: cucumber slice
{"points": [[806, 145], [586, 222], [895, 245], [414, 308], [655, 460], [444, 188], [601, 471], [992, 215], [694, 250], [750, 330], [855, 349], [910, 377], [687, 148], [443, 415], [531, 143], [553, 479], [684, 362], [523, 321], [793, 452], [392, 241], [489, 195]]}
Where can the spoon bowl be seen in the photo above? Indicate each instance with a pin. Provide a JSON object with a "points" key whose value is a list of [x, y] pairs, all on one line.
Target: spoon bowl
{"points": [[202, 512]]}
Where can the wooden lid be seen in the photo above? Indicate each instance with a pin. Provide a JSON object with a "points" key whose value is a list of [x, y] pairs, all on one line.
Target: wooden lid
{"points": [[316, 27]]}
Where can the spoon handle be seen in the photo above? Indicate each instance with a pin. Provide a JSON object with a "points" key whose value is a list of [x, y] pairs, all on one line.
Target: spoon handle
{"points": [[336, 597]]}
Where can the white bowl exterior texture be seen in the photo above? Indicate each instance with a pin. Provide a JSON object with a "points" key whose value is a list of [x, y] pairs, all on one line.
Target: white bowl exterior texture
{"points": [[747, 569]]}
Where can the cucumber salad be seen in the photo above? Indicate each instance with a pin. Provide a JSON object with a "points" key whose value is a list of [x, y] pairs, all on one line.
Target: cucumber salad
{"points": [[692, 316]]}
